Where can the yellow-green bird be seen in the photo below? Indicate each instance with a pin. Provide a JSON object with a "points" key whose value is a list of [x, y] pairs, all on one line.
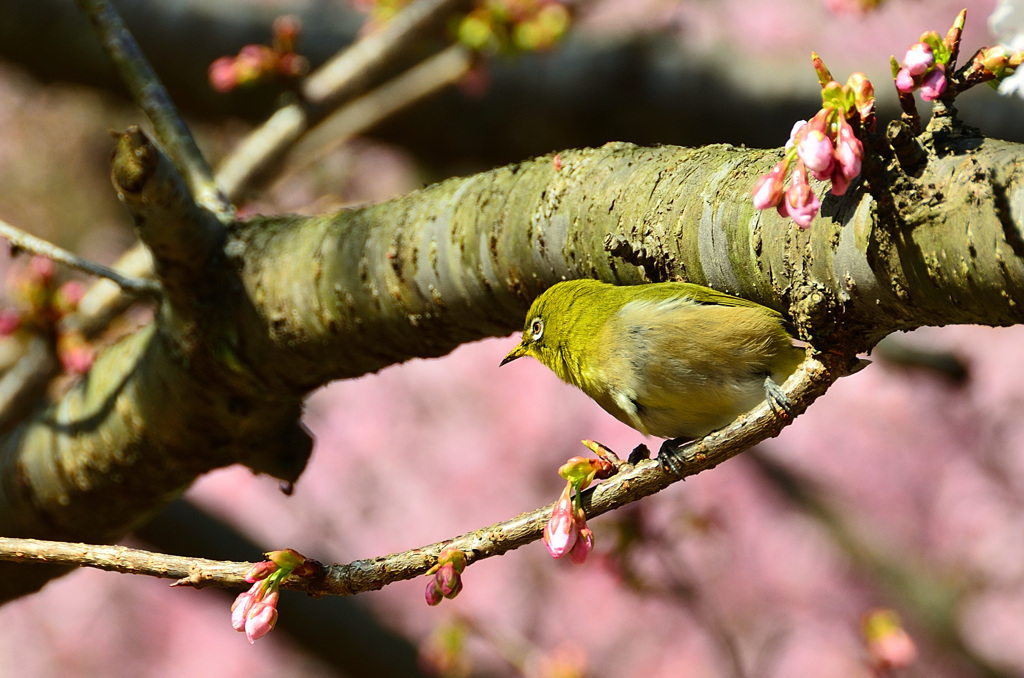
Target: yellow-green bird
{"points": [[672, 360]]}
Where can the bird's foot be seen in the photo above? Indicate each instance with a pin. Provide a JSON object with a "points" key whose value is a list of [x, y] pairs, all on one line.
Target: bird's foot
{"points": [[777, 400], [670, 459]]}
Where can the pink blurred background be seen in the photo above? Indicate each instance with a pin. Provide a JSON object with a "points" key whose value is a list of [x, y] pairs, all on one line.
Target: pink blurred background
{"points": [[916, 483]]}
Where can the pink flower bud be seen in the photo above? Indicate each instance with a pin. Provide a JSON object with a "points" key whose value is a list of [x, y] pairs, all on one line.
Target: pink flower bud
{"points": [[889, 645], [255, 611], [799, 203], [240, 609], [260, 570], [817, 153], [76, 356], [583, 546], [433, 594], [448, 580], [768, 188], [919, 58], [291, 65], [221, 74], [262, 617], [43, 268], [849, 151], [905, 81], [793, 133], [560, 532], [839, 182], [933, 84], [10, 321]]}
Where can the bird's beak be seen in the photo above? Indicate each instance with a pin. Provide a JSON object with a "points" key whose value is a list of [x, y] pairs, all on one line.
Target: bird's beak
{"points": [[518, 352]]}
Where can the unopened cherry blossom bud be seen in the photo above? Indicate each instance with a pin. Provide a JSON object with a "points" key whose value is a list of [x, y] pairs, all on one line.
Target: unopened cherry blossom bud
{"points": [[799, 203], [849, 151], [919, 58], [448, 581], [933, 84], [240, 609], [583, 546], [798, 127], [433, 593], [222, 75], [43, 268], [262, 617], [560, 533], [905, 81], [260, 571], [768, 188], [10, 321], [889, 645], [817, 153]]}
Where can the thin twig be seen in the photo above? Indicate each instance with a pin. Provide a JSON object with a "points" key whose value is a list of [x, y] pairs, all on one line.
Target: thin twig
{"points": [[254, 153], [151, 96], [26, 381], [104, 300], [30, 243], [328, 87], [365, 60], [196, 572], [631, 484], [442, 70]]}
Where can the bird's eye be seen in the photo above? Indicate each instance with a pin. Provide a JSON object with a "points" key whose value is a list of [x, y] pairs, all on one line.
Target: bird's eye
{"points": [[536, 329]]}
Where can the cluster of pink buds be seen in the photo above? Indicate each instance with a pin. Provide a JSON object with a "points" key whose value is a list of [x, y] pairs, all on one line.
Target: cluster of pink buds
{"points": [[924, 67], [446, 581], [39, 306], [260, 63], [566, 532], [826, 147], [254, 612]]}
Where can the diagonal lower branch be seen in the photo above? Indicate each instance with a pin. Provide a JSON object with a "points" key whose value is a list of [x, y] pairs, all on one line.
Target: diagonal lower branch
{"points": [[629, 485]]}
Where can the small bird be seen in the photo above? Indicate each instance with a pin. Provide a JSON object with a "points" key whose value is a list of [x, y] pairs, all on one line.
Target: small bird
{"points": [[673, 360]]}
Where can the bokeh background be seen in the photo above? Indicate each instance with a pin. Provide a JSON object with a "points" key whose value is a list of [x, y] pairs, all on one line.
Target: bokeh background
{"points": [[901, 489]]}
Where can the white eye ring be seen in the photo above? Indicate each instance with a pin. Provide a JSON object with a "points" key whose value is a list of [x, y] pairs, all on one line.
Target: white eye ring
{"points": [[536, 329]]}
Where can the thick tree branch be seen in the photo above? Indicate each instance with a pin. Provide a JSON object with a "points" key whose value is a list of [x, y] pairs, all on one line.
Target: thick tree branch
{"points": [[463, 259]]}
